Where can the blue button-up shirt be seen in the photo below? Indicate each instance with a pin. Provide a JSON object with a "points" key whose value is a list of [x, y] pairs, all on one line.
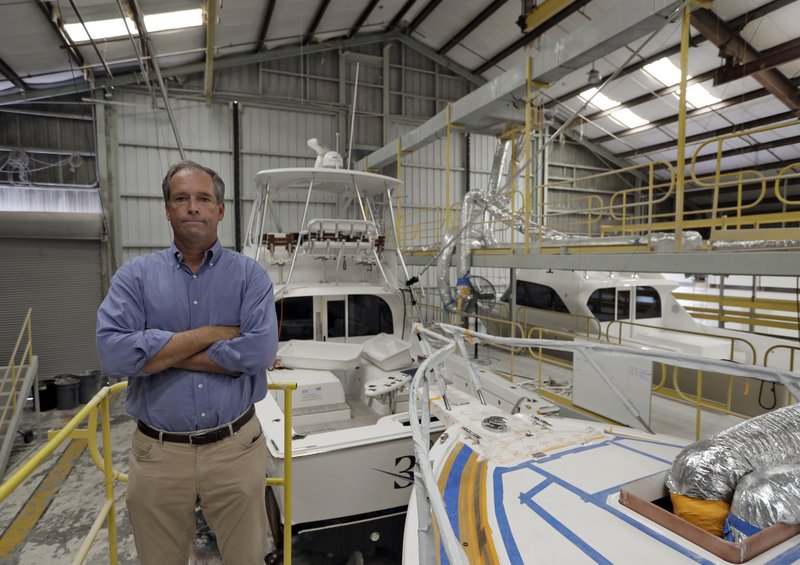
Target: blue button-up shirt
{"points": [[157, 295]]}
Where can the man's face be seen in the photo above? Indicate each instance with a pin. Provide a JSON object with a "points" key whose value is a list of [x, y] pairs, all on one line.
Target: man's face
{"points": [[192, 208]]}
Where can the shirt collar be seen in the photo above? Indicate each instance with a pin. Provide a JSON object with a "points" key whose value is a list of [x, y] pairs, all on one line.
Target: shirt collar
{"points": [[212, 252]]}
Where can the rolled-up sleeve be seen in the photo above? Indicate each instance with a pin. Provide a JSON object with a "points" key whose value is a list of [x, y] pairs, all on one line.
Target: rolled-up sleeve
{"points": [[124, 344], [253, 352]]}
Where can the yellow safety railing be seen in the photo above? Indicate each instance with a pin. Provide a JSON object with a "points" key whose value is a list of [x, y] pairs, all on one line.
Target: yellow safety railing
{"points": [[595, 205], [101, 403], [14, 368], [792, 352]]}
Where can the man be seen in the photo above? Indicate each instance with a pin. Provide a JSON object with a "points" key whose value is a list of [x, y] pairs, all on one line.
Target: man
{"points": [[194, 329]]}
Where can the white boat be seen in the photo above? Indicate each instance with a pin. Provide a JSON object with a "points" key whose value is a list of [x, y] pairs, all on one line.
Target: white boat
{"points": [[630, 309], [522, 488], [345, 339]]}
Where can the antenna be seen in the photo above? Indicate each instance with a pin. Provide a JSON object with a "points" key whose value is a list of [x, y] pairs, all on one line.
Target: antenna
{"points": [[353, 117]]}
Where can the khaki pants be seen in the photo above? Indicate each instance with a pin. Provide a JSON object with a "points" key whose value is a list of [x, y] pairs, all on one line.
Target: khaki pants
{"points": [[165, 478]]}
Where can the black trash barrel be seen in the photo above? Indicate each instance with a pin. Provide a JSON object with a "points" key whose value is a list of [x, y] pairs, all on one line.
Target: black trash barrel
{"points": [[89, 385], [66, 392], [47, 394]]}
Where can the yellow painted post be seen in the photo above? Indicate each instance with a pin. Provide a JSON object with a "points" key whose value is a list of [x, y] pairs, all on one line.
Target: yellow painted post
{"points": [[681, 164], [699, 411], [287, 475], [109, 481], [528, 132]]}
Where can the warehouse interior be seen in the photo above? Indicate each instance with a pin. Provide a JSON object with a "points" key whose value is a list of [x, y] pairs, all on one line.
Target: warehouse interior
{"points": [[99, 97]]}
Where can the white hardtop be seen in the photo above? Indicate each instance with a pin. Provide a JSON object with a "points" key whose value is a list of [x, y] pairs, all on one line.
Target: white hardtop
{"points": [[593, 279], [333, 289], [334, 181]]}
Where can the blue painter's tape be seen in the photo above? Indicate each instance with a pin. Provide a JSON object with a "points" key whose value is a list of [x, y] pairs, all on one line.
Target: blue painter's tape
{"points": [[451, 491], [509, 544]]}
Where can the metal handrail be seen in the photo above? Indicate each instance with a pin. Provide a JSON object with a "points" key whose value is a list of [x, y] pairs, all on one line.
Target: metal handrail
{"points": [[12, 366], [100, 402]]}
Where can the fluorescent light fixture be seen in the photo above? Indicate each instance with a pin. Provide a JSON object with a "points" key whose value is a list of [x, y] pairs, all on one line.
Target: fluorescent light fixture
{"points": [[107, 29], [173, 20], [100, 29], [624, 116]]}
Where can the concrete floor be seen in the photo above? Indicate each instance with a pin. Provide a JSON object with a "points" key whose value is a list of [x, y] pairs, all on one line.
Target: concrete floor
{"points": [[69, 494]]}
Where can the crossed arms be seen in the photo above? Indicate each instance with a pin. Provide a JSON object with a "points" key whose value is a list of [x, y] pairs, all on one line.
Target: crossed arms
{"points": [[187, 350]]}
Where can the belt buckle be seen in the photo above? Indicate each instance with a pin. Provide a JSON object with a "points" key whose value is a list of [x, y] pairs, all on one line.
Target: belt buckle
{"points": [[200, 437]]}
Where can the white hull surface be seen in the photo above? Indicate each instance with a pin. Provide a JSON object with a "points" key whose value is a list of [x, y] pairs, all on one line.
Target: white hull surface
{"points": [[547, 490]]}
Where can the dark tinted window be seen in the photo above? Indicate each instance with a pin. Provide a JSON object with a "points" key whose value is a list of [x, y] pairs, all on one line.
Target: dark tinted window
{"points": [[336, 318], [540, 296], [295, 318], [368, 315], [601, 303], [648, 303]]}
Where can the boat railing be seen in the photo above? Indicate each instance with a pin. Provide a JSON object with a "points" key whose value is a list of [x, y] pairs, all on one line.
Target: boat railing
{"points": [[584, 326], [430, 503], [99, 407], [743, 310], [617, 331]]}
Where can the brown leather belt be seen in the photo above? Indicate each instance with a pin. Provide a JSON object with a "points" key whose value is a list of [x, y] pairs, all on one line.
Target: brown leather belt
{"points": [[199, 438]]}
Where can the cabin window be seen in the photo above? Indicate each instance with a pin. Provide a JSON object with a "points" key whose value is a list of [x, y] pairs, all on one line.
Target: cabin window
{"points": [[295, 318], [336, 318], [534, 295], [601, 303], [368, 315], [648, 303]]}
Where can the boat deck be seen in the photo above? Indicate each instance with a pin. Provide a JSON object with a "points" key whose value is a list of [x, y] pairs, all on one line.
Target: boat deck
{"points": [[360, 415]]}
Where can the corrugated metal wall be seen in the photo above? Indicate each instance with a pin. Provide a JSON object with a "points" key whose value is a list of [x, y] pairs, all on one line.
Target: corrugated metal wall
{"points": [[283, 103], [61, 281]]}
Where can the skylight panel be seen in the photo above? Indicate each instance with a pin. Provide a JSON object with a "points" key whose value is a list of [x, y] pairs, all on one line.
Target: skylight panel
{"points": [[599, 100], [100, 29], [624, 116], [629, 118], [173, 20], [698, 96], [665, 72], [668, 74], [109, 29]]}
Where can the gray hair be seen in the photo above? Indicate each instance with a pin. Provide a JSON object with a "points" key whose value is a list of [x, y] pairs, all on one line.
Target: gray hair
{"points": [[219, 186]]}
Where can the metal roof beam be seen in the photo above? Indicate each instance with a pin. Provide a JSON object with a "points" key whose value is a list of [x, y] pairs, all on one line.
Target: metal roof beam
{"points": [[195, 68], [727, 103], [710, 134], [265, 26], [211, 28], [733, 45], [441, 60], [625, 22], [530, 36], [423, 15], [775, 56], [736, 23], [12, 76], [471, 26], [398, 17], [362, 18], [315, 21]]}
